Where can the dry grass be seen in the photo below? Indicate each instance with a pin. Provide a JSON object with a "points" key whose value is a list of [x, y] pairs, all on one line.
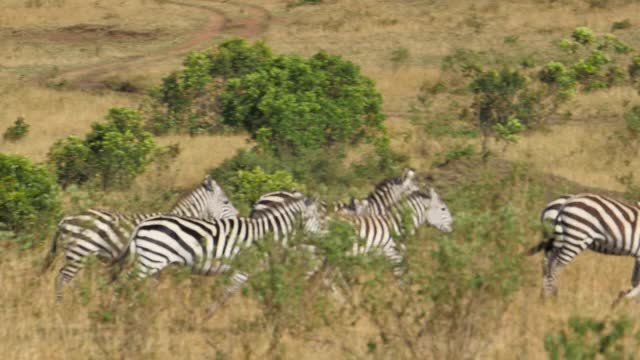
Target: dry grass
{"points": [[34, 40]]}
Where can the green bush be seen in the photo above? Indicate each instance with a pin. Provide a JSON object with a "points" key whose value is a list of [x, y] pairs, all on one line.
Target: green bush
{"points": [[28, 195], [587, 338], [306, 103], [19, 130], [248, 186], [583, 35], [115, 151]]}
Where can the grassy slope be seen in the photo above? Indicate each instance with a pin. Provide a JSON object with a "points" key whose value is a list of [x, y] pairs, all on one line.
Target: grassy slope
{"points": [[365, 32]]}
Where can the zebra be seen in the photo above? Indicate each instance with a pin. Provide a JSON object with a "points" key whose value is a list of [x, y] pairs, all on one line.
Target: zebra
{"points": [[378, 231], [588, 221], [206, 245], [385, 194], [105, 233]]}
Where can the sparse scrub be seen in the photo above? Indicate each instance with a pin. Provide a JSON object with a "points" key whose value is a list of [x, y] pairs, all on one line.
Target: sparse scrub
{"points": [[399, 56], [19, 130], [621, 25], [588, 338]]}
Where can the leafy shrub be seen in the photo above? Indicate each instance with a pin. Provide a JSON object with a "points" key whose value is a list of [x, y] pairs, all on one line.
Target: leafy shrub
{"points": [[28, 195], [587, 338], [19, 130], [583, 35], [621, 25], [115, 151], [306, 103], [248, 186]]}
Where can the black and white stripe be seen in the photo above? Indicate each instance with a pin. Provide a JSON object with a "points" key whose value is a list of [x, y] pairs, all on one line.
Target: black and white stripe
{"points": [[377, 231], [588, 221], [384, 196], [205, 246], [105, 234]]}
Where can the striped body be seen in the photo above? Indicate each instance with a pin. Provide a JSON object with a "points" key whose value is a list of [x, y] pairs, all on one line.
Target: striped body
{"points": [[587, 221], [377, 231], [105, 234], [205, 245], [383, 197]]}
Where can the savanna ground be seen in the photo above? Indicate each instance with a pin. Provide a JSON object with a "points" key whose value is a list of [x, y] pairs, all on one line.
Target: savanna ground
{"points": [[58, 57]]}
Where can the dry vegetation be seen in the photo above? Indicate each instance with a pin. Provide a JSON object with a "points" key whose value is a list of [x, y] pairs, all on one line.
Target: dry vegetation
{"points": [[40, 38]]}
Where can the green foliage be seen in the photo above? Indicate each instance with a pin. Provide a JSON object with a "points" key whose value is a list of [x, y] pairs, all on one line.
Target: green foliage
{"points": [[509, 130], [186, 100], [115, 151], [561, 80], [632, 120], [511, 39], [634, 68], [19, 130], [28, 195], [610, 41], [621, 25], [248, 186], [303, 2], [399, 56], [587, 338], [583, 35], [499, 96], [70, 160], [597, 65], [307, 103], [459, 151]]}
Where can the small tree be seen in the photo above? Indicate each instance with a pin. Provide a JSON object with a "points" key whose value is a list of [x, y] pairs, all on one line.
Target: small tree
{"points": [[116, 151], [19, 130], [28, 195]]}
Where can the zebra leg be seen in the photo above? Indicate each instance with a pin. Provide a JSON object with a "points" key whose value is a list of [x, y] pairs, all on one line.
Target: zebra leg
{"points": [[635, 285], [238, 278], [390, 252]]}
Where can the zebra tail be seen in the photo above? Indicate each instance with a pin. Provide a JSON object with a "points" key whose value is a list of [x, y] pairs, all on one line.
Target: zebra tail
{"points": [[52, 252], [537, 248]]}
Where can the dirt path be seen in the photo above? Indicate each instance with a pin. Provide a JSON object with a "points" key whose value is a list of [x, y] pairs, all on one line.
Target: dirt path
{"points": [[255, 23]]}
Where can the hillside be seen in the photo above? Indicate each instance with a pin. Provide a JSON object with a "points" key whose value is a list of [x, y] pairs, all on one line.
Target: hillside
{"points": [[65, 63]]}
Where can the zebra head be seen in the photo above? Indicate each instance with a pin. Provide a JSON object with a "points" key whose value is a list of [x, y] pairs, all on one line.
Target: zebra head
{"points": [[438, 213], [218, 205], [314, 216]]}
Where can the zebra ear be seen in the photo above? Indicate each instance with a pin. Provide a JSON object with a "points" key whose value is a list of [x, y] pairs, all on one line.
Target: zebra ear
{"points": [[433, 194], [408, 173], [209, 184]]}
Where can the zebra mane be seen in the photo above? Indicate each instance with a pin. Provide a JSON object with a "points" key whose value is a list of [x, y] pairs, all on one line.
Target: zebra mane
{"points": [[398, 180]]}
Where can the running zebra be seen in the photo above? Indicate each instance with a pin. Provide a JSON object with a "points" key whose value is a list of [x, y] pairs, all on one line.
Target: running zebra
{"points": [[205, 246], [377, 231], [588, 221], [383, 197], [105, 234]]}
